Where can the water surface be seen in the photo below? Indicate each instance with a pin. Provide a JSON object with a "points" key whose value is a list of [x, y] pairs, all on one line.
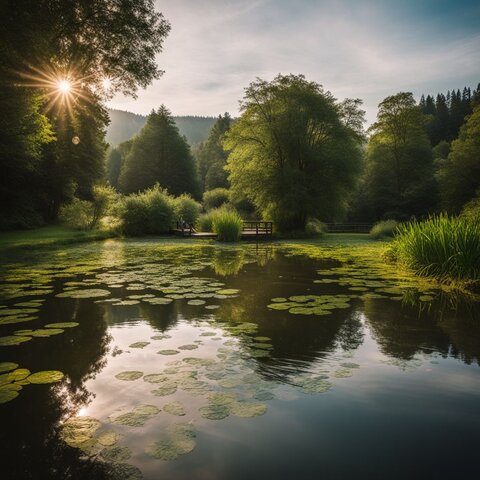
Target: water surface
{"points": [[194, 360]]}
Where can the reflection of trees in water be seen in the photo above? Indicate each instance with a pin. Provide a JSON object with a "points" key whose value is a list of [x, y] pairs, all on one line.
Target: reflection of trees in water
{"points": [[230, 260], [31, 447], [298, 341], [403, 330]]}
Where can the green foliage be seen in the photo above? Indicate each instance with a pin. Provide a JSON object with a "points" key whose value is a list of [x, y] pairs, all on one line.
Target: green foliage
{"points": [[149, 212], [186, 209], [315, 227], [443, 247], [211, 156], [205, 221], [227, 224], [294, 152], [471, 210], [386, 228], [459, 177], [159, 155], [77, 214], [215, 198], [399, 178]]}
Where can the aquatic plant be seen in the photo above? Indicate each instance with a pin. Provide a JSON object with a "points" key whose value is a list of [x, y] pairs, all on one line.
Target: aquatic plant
{"points": [[447, 248], [385, 228], [228, 226]]}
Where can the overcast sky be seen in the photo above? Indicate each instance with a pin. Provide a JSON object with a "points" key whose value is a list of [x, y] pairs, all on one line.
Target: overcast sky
{"points": [[366, 49]]}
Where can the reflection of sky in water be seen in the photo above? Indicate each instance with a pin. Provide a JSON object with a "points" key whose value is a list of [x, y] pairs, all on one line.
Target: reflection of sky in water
{"points": [[413, 382]]}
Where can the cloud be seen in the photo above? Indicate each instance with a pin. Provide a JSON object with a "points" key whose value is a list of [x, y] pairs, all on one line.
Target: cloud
{"points": [[365, 49]]}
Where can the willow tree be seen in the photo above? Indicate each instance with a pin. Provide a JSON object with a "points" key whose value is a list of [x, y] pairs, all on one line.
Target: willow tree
{"points": [[295, 152]]}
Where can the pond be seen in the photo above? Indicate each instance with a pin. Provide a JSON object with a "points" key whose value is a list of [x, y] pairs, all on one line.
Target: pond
{"points": [[184, 360]]}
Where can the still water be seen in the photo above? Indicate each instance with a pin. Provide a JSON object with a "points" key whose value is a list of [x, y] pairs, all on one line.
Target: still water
{"points": [[184, 360]]}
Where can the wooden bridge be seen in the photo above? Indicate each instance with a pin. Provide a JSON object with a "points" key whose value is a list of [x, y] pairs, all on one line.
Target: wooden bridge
{"points": [[250, 229]]}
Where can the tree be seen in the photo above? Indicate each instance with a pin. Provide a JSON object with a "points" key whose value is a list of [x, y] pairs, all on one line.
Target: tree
{"points": [[293, 152], [459, 177], [399, 180], [159, 155], [86, 43], [211, 156]]}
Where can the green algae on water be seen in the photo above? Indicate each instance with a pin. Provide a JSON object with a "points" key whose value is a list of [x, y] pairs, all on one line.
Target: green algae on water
{"points": [[248, 409], [116, 454]]}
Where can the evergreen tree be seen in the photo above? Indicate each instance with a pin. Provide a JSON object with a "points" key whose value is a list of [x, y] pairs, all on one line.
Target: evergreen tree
{"points": [[160, 155], [211, 156]]}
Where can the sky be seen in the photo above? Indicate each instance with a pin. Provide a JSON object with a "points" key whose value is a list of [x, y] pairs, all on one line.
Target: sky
{"points": [[365, 49]]}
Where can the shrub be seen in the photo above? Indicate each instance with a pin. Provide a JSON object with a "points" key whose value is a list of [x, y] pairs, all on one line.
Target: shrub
{"points": [[315, 227], [443, 247], [77, 214], [386, 228], [215, 198], [227, 224], [471, 210], [151, 211], [187, 209], [104, 200]]}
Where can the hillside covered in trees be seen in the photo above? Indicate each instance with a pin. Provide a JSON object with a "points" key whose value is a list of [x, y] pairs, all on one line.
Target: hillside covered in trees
{"points": [[124, 125]]}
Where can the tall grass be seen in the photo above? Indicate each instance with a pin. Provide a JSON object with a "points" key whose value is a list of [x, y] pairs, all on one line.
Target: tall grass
{"points": [[386, 228], [444, 247], [227, 224]]}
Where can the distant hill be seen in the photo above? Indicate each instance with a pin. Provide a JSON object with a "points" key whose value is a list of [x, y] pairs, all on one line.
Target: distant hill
{"points": [[124, 125]]}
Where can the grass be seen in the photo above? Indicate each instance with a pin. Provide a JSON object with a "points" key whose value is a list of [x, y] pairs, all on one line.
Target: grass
{"points": [[227, 225], [44, 236], [386, 228], [447, 248]]}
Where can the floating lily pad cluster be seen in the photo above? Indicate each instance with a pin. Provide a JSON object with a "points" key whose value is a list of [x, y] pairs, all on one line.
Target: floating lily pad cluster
{"points": [[311, 304], [13, 379]]}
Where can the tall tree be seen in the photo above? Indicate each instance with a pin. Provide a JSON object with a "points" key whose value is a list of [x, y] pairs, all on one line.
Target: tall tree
{"points": [[212, 157], [95, 48], [294, 152], [459, 176], [159, 155], [400, 181]]}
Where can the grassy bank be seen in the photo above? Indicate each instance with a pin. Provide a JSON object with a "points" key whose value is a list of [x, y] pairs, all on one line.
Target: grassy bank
{"points": [[46, 236]]}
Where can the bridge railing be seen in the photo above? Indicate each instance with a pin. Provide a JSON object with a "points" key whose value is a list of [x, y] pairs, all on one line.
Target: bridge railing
{"points": [[257, 227]]}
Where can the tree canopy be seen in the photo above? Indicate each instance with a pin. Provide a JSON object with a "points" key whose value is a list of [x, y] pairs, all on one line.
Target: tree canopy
{"points": [[160, 155], [459, 176], [399, 178], [294, 151]]}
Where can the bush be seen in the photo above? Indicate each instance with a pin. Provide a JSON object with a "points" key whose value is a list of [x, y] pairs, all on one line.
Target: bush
{"points": [[471, 210], [227, 224], [386, 228], [443, 247], [186, 209], [151, 211], [315, 227], [77, 214], [215, 198]]}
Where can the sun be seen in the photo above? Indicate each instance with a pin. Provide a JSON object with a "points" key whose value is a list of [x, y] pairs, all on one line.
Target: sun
{"points": [[64, 86]]}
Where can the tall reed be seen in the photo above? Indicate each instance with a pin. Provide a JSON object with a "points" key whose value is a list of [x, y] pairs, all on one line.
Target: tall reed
{"points": [[227, 224], [444, 247]]}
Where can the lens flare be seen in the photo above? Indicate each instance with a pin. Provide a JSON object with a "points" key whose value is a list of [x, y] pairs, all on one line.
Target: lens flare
{"points": [[64, 86]]}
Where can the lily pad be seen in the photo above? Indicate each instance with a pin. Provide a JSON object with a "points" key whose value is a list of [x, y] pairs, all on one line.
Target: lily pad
{"points": [[179, 439], [116, 454], [175, 408], [196, 302], [40, 332], [62, 325], [343, 373], [228, 291], [139, 345], [129, 375], [77, 431], [165, 389], [86, 293], [248, 409], [188, 347], [46, 376], [108, 438], [13, 340], [7, 394], [7, 366], [214, 412], [168, 352]]}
